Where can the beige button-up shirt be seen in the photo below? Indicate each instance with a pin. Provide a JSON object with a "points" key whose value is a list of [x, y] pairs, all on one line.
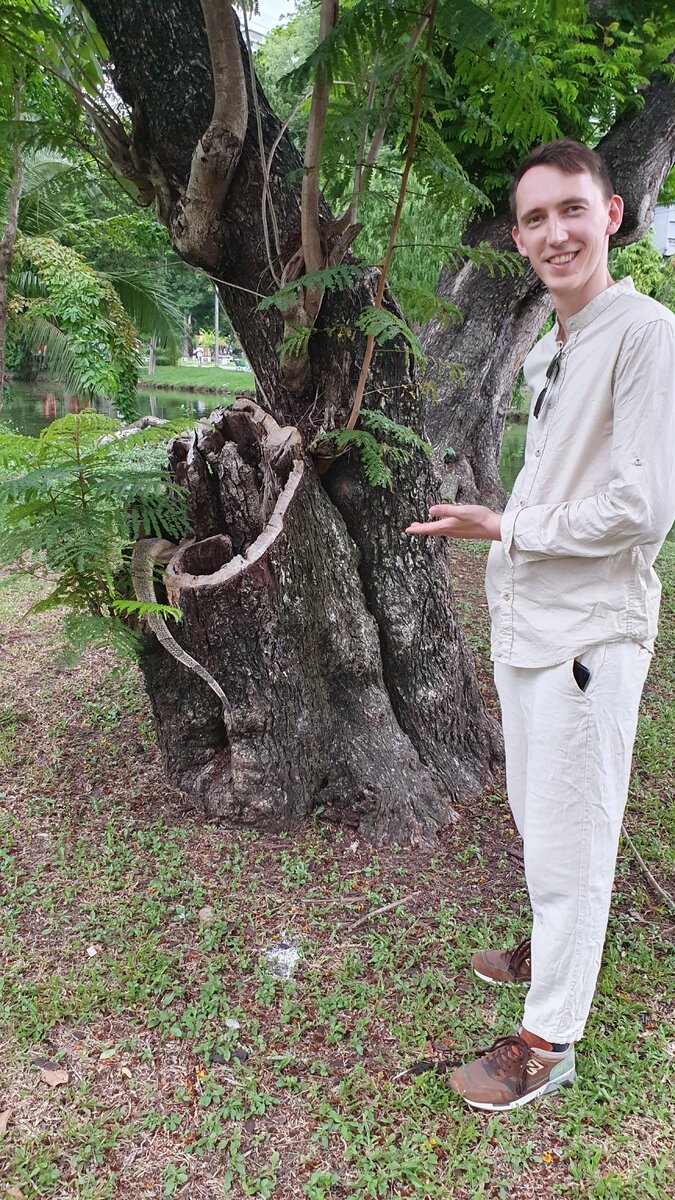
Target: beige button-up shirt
{"points": [[596, 496]]}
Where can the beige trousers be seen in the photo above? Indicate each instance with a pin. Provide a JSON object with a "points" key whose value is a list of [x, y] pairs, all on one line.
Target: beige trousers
{"points": [[568, 758]]}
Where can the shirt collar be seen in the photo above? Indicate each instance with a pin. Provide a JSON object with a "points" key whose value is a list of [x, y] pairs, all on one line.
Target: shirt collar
{"points": [[598, 305]]}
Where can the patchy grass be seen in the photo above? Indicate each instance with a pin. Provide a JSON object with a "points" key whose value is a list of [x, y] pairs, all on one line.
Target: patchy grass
{"points": [[133, 950]]}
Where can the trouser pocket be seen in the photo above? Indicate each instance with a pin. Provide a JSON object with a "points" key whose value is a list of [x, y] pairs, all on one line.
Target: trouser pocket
{"points": [[586, 667]]}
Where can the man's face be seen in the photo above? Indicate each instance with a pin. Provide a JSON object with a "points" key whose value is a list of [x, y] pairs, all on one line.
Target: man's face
{"points": [[564, 223]]}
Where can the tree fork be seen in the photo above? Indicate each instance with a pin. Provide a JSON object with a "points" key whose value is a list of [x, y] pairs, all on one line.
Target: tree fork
{"points": [[421, 700]]}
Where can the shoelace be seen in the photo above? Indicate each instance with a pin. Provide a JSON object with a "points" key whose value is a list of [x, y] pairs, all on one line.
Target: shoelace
{"points": [[506, 1053], [519, 957]]}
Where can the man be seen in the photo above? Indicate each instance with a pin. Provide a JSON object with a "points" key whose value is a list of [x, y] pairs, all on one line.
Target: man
{"points": [[573, 600]]}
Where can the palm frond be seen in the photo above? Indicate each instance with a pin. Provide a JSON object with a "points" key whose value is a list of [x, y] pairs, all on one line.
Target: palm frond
{"points": [[148, 306], [64, 362], [44, 168]]}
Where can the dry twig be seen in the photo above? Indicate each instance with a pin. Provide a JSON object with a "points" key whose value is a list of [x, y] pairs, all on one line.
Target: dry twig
{"points": [[376, 912]]}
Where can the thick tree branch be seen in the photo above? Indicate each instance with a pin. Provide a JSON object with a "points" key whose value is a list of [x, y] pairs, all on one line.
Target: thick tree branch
{"points": [[639, 152], [312, 250], [219, 148]]}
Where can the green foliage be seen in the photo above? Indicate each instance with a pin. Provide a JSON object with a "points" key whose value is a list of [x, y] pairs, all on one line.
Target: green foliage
{"points": [[377, 454], [71, 503], [79, 316], [500, 77], [384, 326], [341, 277], [585, 72], [350, 48], [54, 54], [148, 305], [667, 193], [295, 342], [426, 306], [651, 272]]}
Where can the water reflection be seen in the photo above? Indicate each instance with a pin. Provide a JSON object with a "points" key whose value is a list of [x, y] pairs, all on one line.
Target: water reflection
{"points": [[30, 407]]}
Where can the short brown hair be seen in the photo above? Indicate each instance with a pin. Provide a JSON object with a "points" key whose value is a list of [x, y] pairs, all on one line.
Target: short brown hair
{"points": [[568, 156]]}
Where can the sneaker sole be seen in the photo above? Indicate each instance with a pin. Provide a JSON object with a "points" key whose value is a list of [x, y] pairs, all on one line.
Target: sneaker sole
{"points": [[546, 1088], [499, 982]]}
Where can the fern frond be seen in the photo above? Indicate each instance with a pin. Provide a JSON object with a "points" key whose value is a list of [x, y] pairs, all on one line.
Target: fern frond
{"points": [[142, 609], [470, 26], [341, 278], [369, 450], [295, 342], [77, 429], [372, 452], [436, 163], [374, 419], [423, 306], [352, 45], [385, 326], [16, 450], [71, 503]]}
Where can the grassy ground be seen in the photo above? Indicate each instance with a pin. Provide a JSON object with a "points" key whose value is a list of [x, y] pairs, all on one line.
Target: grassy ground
{"points": [[148, 1048], [217, 379]]}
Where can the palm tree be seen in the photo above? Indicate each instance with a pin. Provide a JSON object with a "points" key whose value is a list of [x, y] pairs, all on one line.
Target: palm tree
{"points": [[87, 320]]}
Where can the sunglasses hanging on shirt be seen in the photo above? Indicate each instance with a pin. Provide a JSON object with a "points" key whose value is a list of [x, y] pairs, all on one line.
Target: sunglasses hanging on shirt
{"points": [[551, 376]]}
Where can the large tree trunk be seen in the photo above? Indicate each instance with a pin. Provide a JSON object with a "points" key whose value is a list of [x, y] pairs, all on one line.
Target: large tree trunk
{"points": [[350, 682], [502, 316], [309, 721]]}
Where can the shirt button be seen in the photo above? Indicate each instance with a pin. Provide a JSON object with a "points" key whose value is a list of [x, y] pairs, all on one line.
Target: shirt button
{"points": [[522, 503], [637, 462], [537, 454], [506, 596]]}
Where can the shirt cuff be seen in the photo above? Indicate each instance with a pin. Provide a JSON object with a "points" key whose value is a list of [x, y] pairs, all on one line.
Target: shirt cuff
{"points": [[507, 528]]}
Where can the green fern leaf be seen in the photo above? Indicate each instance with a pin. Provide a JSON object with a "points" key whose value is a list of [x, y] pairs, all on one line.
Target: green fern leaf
{"points": [[341, 278], [385, 326]]}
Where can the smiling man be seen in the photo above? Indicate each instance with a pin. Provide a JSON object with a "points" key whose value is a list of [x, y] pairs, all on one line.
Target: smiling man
{"points": [[574, 602]]}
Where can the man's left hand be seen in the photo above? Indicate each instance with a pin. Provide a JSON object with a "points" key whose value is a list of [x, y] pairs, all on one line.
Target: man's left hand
{"points": [[460, 521]]}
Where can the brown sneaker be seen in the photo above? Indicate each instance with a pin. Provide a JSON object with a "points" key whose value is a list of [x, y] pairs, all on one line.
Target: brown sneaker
{"points": [[504, 966], [510, 1073]]}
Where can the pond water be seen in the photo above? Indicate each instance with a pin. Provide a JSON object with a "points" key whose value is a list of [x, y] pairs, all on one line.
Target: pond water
{"points": [[31, 406]]}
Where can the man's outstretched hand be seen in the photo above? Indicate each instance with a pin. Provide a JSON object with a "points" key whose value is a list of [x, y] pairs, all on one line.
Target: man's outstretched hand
{"points": [[460, 521]]}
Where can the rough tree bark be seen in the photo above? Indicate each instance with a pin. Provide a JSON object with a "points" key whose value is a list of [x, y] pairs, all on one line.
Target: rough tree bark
{"points": [[502, 316], [351, 684], [290, 636]]}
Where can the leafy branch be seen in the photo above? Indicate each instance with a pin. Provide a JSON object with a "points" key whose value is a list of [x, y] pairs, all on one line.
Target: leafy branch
{"points": [[72, 501], [394, 448]]}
